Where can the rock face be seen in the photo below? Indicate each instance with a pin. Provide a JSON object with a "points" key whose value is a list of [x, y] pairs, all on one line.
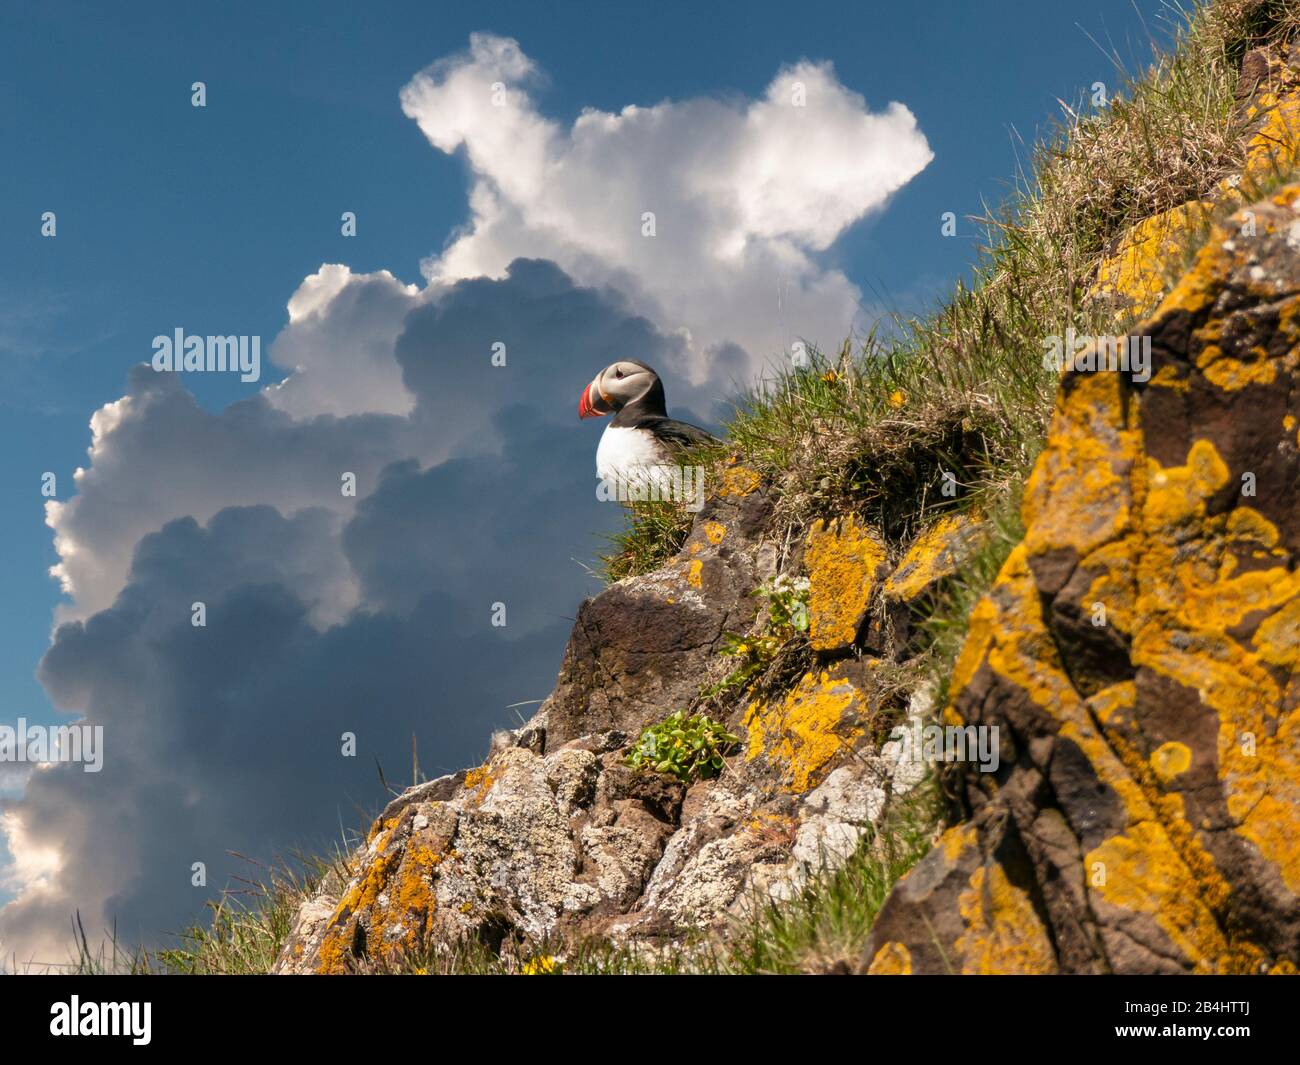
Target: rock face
{"points": [[1149, 257], [1140, 656], [647, 642], [554, 834]]}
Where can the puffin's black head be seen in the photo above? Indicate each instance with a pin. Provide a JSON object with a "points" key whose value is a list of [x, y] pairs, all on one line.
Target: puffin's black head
{"points": [[617, 385]]}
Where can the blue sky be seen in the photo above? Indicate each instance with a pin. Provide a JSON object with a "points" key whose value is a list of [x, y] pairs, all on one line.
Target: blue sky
{"points": [[211, 218]]}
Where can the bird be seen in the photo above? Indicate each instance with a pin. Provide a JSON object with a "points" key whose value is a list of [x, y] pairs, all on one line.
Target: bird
{"points": [[641, 444]]}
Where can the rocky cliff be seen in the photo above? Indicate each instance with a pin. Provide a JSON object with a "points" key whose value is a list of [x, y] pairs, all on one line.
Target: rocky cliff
{"points": [[1137, 654], [555, 835], [1139, 648]]}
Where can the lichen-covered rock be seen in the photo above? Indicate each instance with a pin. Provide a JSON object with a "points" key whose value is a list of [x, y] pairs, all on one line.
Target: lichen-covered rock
{"points": [[706, 864], [1145, 263], [573, 841], [1272, 113], [641, 648], [933, 556], [554, 834], [1140, 655], [520, 845], [835, 817], [844, 560], [1149, 257], [532, 844], [979, 889], [800, 736]]}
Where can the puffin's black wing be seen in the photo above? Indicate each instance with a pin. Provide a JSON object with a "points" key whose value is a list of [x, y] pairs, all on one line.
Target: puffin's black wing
{"points": [[673, 433]]}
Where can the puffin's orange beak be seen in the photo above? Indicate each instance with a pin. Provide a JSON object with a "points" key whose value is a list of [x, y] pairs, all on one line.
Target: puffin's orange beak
{"points": [[592, 403]]}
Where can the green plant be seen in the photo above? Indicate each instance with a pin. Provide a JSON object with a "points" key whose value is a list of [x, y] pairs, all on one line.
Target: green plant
{"points": [[246, 929], [688, 748], [787, 615]]}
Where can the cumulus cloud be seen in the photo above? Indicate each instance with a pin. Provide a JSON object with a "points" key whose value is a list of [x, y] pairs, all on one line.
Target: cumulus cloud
{"points": [[370, 613], [743, 194], [338, 346], [155, 455]]}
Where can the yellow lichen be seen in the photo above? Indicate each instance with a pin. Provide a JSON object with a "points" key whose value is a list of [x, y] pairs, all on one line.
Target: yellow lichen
{"points": [[1078, 495], [1170, 759], [478, 782], [956, 840], [1137, 870], [804, 732], [1003, 933], [1232, 374], [739, 481], [1147, 255], [843, 560], [933, 555], [893, 959], [1275, 147]]}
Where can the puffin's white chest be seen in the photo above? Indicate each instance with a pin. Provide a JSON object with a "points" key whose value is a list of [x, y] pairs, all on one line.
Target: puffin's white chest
{"points": [[624, 454]]}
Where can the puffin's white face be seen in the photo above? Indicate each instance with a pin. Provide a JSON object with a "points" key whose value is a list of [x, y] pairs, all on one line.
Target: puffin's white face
{"points": [[615, 387]]}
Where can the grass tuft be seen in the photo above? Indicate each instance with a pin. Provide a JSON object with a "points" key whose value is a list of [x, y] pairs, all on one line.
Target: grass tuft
{"points": [[824, 928]]}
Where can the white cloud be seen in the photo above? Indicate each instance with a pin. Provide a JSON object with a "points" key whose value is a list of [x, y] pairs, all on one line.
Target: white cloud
{"points": [[157, 455], [744, 194], [338, 345]]}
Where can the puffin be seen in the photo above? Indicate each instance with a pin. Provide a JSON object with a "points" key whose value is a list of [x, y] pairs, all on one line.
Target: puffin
{"points": [[641, 442]]}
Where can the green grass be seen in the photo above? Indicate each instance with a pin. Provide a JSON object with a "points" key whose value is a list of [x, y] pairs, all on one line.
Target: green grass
{"points": [[242, 934], [246, 928], [824, 928]]}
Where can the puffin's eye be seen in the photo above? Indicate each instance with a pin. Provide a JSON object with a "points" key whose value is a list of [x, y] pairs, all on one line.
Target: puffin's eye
{"points": [[618, 373]]}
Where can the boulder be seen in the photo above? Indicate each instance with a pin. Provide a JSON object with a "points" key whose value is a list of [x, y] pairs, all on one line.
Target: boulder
{"points": [[642, 647], [1140, 655]]}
